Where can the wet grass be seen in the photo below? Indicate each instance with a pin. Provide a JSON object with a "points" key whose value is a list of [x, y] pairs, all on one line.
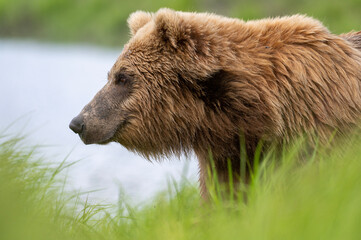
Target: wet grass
{"points": [[287, 199]]}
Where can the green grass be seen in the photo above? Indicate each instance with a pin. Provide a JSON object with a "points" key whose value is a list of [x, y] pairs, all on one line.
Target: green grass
{"points": [[104, 21], [314, 199]]}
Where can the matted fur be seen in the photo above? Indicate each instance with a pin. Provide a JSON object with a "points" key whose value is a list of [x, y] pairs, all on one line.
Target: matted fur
{"points": [[197, 81]]}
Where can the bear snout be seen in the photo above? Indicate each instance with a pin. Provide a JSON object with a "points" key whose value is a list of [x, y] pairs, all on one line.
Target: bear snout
{"points": [[77, 124]]}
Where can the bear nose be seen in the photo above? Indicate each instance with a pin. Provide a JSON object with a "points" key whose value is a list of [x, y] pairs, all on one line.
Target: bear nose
{"points": [[77, 124]]}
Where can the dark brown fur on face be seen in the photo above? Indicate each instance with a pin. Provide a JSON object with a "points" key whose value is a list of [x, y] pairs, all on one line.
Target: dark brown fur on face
{"points": [[197, 82]]}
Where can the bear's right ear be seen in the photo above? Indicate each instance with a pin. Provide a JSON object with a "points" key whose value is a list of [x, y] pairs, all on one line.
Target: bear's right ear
{"points": [[137, 20], [172, 27]]}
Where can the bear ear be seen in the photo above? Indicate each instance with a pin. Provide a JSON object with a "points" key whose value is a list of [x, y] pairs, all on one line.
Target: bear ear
{"points": [[172, 27], [137, 20]]}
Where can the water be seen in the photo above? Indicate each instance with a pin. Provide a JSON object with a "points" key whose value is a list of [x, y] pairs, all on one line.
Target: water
{"points": [[43, 87]]}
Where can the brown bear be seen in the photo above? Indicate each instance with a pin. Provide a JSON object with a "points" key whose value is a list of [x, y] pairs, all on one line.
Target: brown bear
{"points": [[197, 82]]}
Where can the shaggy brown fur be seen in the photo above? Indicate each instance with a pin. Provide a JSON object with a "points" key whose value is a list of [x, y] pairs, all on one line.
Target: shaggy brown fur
{"points": [[197, 81]]}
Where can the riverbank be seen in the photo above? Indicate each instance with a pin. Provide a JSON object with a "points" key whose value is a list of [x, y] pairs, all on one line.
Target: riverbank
{"points": [[104, 22]]}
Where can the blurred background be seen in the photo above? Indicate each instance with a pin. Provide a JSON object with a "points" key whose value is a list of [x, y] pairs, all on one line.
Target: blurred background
{"points": [[104, 21], [55, 55]]}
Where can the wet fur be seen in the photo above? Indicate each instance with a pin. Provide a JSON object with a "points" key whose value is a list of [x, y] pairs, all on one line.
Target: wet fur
{"points": [[201, 81]]}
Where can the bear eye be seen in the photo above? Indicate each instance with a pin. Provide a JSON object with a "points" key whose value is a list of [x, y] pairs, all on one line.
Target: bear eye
{"points": [[121, 78]]}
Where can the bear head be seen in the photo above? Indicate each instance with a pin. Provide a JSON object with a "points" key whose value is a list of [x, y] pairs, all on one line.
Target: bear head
{"points": [[168, 90]]}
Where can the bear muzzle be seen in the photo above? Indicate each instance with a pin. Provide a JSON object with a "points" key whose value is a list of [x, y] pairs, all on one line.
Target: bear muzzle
{"points": [[100, 120], [93, 130]]}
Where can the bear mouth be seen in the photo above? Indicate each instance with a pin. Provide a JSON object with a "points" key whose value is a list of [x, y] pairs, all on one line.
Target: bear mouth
{"points": [[94, 138], [88, 139]]}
